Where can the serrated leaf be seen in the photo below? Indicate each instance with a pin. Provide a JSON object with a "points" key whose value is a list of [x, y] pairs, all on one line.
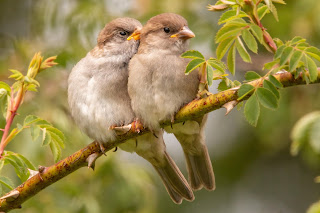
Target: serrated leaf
{"points": [[313, 52], [294, 60], [279, 1], [262, 11], [228, 30], [257, 32], [251, 75], [7, 182], [192, 54], [312, 68], [245, 90], [217, 64], [249, 40], [231, 59], [222, 86], [192, 65], [209, 74], [315, 135], [252, 110], [224, 46], [5, 86], [17, 75], [46, 137], [242, 51], [231, 15], [278, 42], [56, 150], [20, 170], [271, 64], [268, 85], [300, 131], [57, 139], [275, 81], [296, 40], [30, 119], [35, 132], [286, 54], [279, 52], [26, 161], [267, 98]]}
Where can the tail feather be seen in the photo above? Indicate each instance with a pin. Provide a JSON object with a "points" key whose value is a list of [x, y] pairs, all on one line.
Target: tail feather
{"points": [[175, 183], [200, 169]]}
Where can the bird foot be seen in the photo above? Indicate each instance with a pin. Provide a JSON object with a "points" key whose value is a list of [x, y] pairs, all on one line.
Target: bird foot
{"points": [[121, 130], [137, 126], [203, 94]]}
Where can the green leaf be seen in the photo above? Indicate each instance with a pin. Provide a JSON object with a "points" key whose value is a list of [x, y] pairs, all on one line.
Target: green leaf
{"points": [[224, 46], [231, 60], [35, 132], [262, 11], [257, 32], [275, 81], [279, 1], [251, 75], [18, 165], [192, 54], [231, 15], [315, 135], [222, 86], [313, 52], [56, 150], [228, 30], [249, 40], [278, 42], [209, 74], [17, 75], [286, 54], [245, 90], [268, 85], [30, 119], [312, 68], [252, 110], [242, 51], [7, 182], [57, 138], [294, 60], [6, 87], [26, 161], [297, 40], [279, 52], [194, 64], [271, 64], [46, 137], [267, 98], [217, 64], [301, 130]]}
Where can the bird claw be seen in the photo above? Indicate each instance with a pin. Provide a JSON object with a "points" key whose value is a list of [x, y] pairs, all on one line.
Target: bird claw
{"points": [[203, 94], [137, 126], [120, 130]]}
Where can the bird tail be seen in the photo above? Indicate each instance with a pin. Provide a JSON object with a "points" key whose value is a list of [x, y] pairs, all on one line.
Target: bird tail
{"points": [[192, 139], [175, 183], [200, 169]]}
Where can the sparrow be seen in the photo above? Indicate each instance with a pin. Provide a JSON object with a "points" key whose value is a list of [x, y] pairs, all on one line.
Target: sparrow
{"points": [[158, 88], [98, 99]]}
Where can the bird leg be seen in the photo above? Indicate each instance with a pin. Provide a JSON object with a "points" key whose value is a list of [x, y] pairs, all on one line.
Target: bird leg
{"points": [[121, 130], [203, 90], [137, 126]]}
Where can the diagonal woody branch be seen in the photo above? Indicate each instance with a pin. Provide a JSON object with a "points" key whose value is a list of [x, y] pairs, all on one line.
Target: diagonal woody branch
{"points": [[86, 156]]}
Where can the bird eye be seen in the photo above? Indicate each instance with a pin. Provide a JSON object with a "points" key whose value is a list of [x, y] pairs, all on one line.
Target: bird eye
{"points": [[123, 33], [166, 29]]}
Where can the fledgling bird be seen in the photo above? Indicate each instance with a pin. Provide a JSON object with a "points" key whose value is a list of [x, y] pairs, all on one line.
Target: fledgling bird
{"points": [[98, 98], [158, 88]]}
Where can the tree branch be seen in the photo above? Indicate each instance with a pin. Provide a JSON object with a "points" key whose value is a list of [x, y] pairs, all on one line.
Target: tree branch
{"points": [[87, 156]]}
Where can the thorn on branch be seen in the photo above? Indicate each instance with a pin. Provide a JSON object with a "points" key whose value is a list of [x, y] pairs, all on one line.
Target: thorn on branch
{"points": [[121, 130], [92, 159], [115, 149], [11, 195], [41, 169], [229, 106], [32, 173]]}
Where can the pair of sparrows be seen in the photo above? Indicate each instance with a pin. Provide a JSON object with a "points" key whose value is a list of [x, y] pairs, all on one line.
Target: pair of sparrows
{"points": [[122, 79]]}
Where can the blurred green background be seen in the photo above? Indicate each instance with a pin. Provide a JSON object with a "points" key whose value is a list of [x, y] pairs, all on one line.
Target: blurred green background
{"points": [[254, 171]]}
